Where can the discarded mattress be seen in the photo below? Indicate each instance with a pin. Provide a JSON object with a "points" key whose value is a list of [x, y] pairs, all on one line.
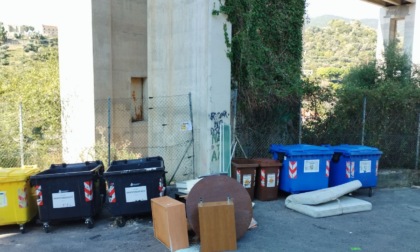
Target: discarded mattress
{"points": [[329, 201]]}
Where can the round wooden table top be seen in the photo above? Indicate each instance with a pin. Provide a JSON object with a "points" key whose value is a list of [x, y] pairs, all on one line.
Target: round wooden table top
{"points": [[216, 188]]}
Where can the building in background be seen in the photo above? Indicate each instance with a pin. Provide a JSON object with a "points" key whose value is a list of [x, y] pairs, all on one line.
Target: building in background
{"points": [[50, 31], [27, 30]]}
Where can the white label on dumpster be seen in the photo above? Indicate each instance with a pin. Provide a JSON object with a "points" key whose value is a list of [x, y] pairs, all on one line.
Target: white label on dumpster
{"points": [[63, 200], [311, 165], [3, 199], [137, 193], [365, 166], [246, 180], [271, 180]]}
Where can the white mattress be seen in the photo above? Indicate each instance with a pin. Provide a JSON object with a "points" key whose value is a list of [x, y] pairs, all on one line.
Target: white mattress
{"points": [[329, 201]]}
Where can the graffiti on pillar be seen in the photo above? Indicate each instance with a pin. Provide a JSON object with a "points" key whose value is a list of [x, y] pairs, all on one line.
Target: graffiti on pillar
{"points": [[217, 121]]}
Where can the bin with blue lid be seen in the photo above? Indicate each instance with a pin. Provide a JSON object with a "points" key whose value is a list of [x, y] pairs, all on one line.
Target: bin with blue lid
{"points": [[355, 162], [305, 167]]}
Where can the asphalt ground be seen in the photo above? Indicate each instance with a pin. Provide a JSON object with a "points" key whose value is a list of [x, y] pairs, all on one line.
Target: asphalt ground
{"points": [[393, 224]]}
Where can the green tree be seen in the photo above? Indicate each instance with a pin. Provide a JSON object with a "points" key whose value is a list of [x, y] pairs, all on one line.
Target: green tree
{"points": [[3, 34], [35, 84], [333, 74], [4, 55], [340, 44], [391, 89]]}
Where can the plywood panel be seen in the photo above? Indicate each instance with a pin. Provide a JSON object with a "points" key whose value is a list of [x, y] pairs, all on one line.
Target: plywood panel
{"points": [[170, 222], [217, 226]]}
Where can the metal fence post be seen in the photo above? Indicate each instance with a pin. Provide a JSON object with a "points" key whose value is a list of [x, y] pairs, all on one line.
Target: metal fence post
{"points": [[418, 145], [192, 133], [22, 156], [234, 100], [109, 131], [363, 120], [300, 122]]}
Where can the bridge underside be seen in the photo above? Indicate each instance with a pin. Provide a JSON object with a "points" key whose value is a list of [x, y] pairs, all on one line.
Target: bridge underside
{"points": [[387, 3]]}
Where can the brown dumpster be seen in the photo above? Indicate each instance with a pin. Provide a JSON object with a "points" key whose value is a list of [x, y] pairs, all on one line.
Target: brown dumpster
{"points": [[244, 171], [267, 181]]}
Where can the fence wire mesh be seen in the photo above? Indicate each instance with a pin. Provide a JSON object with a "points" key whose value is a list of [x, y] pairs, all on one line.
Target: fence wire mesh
{"points": [[395, 134], [163, 129], [25, 139]]}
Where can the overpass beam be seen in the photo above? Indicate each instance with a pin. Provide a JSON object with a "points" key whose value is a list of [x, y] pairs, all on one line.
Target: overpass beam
{"points": [[394, 2]]}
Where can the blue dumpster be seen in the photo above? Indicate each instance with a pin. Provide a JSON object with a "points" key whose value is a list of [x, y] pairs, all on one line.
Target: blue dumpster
{"points": [[351, 162], [305, 167]]}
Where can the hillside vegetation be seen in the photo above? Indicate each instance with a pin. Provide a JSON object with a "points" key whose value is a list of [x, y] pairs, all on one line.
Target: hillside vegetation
{"points": [[340, 45], [29, 79], [323, 21]]}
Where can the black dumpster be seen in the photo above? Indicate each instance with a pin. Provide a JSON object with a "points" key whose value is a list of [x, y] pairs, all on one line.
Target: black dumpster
{"points": [[131, 184], [69, 192]]}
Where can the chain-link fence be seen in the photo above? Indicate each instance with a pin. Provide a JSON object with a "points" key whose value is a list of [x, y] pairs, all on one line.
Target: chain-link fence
{"points": [[255, 131], [161, 126], [25, 139], [163, 129], [397, 135]]}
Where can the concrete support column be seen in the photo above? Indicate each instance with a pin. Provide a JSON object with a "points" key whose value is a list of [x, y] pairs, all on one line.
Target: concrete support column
{"points": [[76, 79], [387, 29], [187, 53], [416, 34]]}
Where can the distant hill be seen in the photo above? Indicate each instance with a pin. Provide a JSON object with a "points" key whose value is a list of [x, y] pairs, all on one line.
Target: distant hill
{"points": [[322, 21], [340, 44]]}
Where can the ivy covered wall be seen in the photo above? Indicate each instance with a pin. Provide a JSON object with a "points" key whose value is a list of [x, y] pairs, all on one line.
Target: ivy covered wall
{"points": [[266, 58]]}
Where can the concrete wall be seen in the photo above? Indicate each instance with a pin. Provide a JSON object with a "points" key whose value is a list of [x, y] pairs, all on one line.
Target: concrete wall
{"points": [[411, 31], [398, 178], [129, 59], [103, 44], [187, 54], [177, 47]]}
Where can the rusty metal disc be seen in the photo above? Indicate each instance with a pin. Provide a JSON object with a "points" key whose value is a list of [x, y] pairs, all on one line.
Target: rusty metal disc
{"points": [[217, 188]]}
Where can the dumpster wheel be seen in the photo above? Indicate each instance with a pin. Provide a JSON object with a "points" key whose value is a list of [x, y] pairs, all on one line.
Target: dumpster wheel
{"points": [[46, 227], [120, 221], [370, 192], [89, 222], [22, 228]]}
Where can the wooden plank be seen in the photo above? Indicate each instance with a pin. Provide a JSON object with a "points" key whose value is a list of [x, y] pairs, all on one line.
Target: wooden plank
{"points": [[170, 222], [217, 226]]}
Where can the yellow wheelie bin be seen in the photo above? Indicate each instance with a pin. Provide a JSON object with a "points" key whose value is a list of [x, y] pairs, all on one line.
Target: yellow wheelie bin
{"points": [[17, 198]]}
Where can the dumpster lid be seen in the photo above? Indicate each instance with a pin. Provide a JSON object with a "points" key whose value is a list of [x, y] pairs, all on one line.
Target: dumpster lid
{"points": [[244, 163], [349, 150], [267, 162], [300, 149], [17, 173]]}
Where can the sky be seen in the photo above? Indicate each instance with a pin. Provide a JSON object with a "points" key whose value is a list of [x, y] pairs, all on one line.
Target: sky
{"points": [[353, 9], [29, 12], [37, 12]]}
